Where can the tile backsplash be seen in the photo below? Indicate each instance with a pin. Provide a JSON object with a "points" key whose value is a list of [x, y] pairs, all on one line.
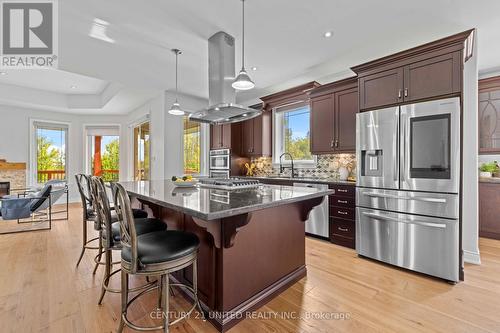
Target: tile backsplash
{"points": [[327, 166]]}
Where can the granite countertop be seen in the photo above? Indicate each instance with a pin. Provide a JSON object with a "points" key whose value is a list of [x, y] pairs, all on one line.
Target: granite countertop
{"points": [[210, 204], [304, 180], [494, 180]]}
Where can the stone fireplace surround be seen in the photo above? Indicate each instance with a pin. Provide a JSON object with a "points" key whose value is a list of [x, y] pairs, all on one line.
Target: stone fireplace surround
{"points": [[14, 173]]}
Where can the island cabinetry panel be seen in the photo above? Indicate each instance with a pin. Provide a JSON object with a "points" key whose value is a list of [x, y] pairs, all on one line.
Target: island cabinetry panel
{"points": [[489, 210], [244, 260], [333, 117], [342, 215]]}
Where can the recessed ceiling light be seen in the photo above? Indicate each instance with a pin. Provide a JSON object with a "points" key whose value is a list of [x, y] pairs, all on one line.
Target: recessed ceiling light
{"points": [[73, 87], [99, 30], [3, 73], [328, 34], [254, 68]]}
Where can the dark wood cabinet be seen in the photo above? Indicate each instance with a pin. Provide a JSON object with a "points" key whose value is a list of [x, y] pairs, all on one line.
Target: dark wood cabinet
{"points": [[489, 115], [430, 71], [333, 117], [380, 89], [436, 76], [220, 136], [322, 125], [346, 107], [489, 210], [343, 215], [429, 78], [256, 136]]}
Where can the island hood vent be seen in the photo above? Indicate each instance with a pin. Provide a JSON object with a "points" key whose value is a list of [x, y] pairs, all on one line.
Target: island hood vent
{"points": [[221, 95]]}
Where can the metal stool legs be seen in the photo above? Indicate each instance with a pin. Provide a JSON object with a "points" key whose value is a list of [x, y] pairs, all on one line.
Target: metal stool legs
{"points": [[85, 243], [163, 288]]}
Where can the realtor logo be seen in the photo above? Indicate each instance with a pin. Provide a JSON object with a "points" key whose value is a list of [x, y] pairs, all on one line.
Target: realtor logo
{"points": [[29, 38]]}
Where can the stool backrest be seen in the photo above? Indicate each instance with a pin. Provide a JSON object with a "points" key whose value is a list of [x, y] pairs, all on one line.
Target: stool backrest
{"points": [[83, 183], [103, 209], [128, 233]]}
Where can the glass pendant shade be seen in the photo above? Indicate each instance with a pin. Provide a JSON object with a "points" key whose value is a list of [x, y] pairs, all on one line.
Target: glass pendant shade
{"points": [[243, 81], [175, 109]]}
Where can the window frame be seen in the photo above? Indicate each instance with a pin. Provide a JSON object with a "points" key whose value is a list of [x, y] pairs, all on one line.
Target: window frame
{"points": [[277, 137], [201, 139], [33, 149], [104, 129]]}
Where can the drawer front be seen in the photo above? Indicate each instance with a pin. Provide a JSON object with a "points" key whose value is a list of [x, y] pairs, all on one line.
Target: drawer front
{"points": [[344, 190], [337, 201], [344, 228], [343, 241], [343, 213]]}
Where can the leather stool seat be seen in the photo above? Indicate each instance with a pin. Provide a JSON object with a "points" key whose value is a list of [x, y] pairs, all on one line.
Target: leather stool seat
{"points": [[138, 213], [142, 226], [163, 246]]}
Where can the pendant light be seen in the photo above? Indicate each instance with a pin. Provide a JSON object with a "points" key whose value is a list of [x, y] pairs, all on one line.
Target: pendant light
{"points": [[243, 80], [175, 109]]}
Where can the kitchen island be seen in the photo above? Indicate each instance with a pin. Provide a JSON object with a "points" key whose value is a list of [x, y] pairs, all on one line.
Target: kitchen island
{"points": [[252, 240]]}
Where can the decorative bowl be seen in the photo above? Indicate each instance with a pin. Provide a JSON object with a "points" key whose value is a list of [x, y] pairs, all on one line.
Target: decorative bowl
{"points": [[186, 183]]}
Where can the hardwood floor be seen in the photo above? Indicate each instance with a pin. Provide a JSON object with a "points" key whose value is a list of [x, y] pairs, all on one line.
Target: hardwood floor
{"points": [[42, 291]]}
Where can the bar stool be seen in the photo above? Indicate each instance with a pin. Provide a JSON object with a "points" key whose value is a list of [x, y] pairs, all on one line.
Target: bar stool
{"points": [[83, 183], [89, 215], [110, 232], [157, 253]]}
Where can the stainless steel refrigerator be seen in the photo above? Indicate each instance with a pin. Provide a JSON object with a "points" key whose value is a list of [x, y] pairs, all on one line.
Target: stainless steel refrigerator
{"points": [[408, 187]]}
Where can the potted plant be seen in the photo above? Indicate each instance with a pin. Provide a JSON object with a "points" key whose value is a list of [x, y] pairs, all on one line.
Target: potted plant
{"points": [[487, 169]]}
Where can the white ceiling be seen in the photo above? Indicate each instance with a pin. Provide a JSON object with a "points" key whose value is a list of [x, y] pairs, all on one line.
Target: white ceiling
{"points": [[284, 38], [54, 81]]}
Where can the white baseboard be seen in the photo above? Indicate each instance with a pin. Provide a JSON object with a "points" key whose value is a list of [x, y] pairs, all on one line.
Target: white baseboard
{"points": [[472, 257]]}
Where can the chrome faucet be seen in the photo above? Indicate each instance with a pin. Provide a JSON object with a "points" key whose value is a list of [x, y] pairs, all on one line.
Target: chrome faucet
{"points": [[282, 167]]}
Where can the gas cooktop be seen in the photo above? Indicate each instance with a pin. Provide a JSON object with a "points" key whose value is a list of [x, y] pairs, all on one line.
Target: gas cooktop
{"points": [[228, 183]]}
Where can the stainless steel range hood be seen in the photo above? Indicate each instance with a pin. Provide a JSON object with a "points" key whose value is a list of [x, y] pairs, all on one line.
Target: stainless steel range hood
{"points": [[222, 96]]}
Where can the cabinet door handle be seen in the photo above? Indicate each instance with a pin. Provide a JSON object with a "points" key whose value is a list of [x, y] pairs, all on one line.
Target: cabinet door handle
{"points": [[406, 92], [342, 201], [331, 144], [399, 93], [343, 229], [336, 143], [341, 190], [342, 212]]}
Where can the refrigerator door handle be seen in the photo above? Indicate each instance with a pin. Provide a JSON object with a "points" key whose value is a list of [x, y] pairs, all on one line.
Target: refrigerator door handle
{"points": [[416, 222], [390, 196], [395, 150]]}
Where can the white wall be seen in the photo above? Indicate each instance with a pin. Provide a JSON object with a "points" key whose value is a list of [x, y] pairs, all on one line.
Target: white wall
{"points": [[470, 210], [15, 138], [166, 135]]}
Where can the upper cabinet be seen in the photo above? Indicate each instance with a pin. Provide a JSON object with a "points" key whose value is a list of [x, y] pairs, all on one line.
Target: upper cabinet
{"points": [[489, 115], [333, 117], [256, 135], [322, 122], [379, 89], [433, 70], [346, 107], [220, 136]]}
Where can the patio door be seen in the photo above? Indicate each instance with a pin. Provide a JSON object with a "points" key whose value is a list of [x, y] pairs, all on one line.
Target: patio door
{"points": [[141, 151], [103, 152]]}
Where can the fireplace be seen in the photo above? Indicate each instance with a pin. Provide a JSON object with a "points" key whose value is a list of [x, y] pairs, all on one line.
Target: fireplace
{"points": [[4, 188]]}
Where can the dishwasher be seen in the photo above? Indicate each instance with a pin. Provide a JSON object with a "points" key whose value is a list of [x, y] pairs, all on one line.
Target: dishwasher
{"points": [[317, 224]]}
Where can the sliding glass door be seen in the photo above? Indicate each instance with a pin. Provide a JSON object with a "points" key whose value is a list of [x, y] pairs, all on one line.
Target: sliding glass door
{"points": [[141, 151], [103, 152]]}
